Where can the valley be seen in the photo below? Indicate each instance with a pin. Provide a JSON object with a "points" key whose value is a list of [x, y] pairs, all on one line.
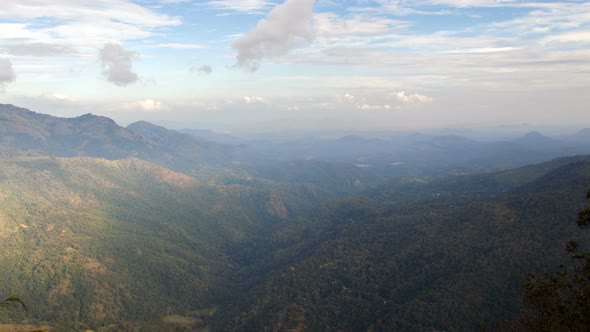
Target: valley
{"points": [[168, 232]]}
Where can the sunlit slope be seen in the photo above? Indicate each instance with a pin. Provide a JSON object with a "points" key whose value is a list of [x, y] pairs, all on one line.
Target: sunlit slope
{"points": [[91, 242]]}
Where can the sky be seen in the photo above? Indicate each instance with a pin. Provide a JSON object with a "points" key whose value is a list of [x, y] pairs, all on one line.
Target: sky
{"points": [[272, 65]]}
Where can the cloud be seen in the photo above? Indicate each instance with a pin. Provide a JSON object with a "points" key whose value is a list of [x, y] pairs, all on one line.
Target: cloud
{"points": [[117, 63], [411, 99], [570, 37], [37, 49], [476, 3], [349, 97], [147, 105], [174, 1], [124, 11], [332, 25], [246, 6], [203, 70], [377, 100], [7, 74], [74, 28], [368, 107], [283, 29], [184, 46], [60, 97], [253, 100], [484, 50]]}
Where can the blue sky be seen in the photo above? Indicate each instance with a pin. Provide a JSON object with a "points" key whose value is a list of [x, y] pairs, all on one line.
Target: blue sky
{"points": [[256, 65]]}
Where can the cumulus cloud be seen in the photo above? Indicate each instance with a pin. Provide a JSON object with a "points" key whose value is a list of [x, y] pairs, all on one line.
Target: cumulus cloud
{"points": [[285, 26], [253, 99], [381, 101], [363, 104], [411, 99], [349, 97], [60, 97], [203, 70], [7, 74], [368, 107], [117, 64], [147, 105]]}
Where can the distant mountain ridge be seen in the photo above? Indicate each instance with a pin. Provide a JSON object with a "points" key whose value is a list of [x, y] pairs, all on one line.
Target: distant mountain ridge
{"points": [[98, 136]]}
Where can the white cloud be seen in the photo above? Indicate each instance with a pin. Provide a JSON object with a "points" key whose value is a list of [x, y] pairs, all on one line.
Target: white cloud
{"points": [[80, 10], [117, 64], [367, 107], [349, 97], [247, 6], [184, 46], [569, 37], [173, 1], [283, 29], [372, 100], [411, 99], [549, 18], [333, 25], [37, 49], [484, 50], [78, 26], [147, 105], [470, 3], [60, 97], [7, 74], [253, 100]]}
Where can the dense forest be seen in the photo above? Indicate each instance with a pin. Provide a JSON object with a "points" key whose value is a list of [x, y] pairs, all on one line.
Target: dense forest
{"points": [[135, 239]]}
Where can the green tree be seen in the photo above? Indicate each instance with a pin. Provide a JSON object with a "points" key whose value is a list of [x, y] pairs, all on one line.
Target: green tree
{"points": [[562, 299]]}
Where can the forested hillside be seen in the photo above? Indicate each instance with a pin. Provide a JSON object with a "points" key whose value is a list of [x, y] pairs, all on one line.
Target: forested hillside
{"points": [[441, 263], [90, 242]]}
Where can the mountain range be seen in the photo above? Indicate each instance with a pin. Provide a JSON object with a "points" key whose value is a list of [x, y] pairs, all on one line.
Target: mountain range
{"points": [[98, 136], [144, 228]]}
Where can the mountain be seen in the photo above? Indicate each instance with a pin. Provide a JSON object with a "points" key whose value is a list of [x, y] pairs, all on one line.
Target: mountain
{"points": [[583, 134], [182, 150], [581, 139], [536, 140], [211, 136], [470, 185], [85, 135], [126, 245], [415, 154], [98, 136], [148, 229], [433, 263]]}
